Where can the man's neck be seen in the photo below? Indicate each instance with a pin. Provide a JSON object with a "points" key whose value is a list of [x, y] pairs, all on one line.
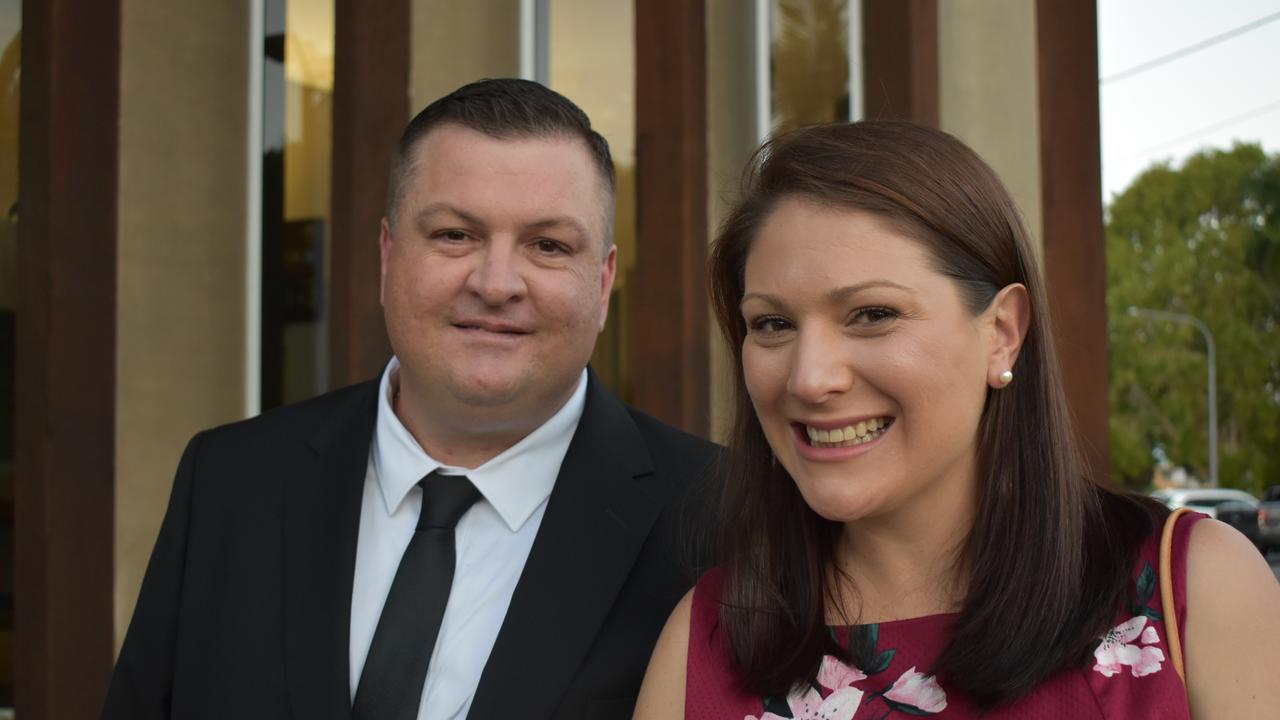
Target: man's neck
{"points": [[466, 437]]}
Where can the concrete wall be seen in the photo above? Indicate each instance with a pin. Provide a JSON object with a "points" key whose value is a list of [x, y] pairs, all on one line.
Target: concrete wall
{"points": [[456, 42], [731, 138], [182, 217], [988, 88]]}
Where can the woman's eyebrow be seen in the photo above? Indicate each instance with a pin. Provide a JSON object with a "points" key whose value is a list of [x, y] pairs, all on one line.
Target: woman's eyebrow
{"points": [[846, 291], [835, 295]]}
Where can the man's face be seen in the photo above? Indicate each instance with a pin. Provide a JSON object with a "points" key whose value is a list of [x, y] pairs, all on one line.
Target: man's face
{"points": [[495, 279]]}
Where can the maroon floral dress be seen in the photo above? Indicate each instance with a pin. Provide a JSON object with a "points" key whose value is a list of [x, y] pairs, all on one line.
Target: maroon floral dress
{"points": [[1129, 677]]}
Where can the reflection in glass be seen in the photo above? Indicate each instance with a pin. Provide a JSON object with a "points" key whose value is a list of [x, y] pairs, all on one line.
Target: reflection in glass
{"points": [[10, 76], [810, 77], [297, 142], [592, 62]]}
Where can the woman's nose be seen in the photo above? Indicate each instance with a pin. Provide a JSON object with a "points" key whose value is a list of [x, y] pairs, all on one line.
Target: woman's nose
{"points": [[820, 369]]}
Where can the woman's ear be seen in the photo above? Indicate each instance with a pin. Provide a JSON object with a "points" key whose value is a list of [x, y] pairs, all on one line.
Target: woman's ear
{"points": [[1007, 319]]}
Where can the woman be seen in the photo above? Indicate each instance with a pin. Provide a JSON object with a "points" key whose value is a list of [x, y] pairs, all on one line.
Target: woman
{"points": [[908, 527]]}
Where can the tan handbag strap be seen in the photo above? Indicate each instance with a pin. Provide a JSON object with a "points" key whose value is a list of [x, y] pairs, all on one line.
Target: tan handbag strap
{"points": [[1170, 609]]}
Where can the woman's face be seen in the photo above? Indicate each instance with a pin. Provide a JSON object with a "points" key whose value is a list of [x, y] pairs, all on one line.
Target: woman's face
{"points": [[865, 367]]}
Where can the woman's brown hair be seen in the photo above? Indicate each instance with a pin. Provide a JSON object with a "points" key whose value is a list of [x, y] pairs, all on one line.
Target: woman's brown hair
{"points": [[1050, 553]]}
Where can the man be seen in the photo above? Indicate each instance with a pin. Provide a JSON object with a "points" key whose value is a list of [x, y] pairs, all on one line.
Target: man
{"points": [[485, 532]]}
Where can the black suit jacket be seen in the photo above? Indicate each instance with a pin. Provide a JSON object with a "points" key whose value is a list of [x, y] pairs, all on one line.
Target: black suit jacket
{"points": [[245, 606]]}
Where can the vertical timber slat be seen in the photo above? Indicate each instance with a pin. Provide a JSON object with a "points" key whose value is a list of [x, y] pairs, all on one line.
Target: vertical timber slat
{"points": [[1071, 188], [900, 60], [670, 325], [370, 109], [66, 362]]}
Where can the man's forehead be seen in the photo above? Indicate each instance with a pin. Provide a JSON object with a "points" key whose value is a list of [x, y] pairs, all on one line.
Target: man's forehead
{"points": [[455, 136], [453, 146]]}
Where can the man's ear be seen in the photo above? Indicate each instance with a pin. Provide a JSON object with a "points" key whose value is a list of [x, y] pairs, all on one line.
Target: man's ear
{"points": [[607, 272], [384, 250], [1008, 318]]}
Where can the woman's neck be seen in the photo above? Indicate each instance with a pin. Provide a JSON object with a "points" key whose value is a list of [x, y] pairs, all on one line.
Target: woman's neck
{"points": [[906, 564]]}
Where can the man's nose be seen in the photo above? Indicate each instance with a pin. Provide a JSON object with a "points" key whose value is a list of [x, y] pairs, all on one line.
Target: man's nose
{"points": [[820, 367], [498, 279]]}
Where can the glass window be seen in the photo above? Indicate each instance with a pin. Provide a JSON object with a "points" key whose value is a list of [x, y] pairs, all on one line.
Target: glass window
{"points": [[810, 62], [297, 145], [10, 75], [592, 62]]}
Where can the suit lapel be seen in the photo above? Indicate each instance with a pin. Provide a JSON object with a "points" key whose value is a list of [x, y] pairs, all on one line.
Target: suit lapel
{"points": [[596, 522], [321, 525]]}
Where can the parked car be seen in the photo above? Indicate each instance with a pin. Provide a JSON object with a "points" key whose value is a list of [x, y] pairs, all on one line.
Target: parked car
{"points": [[1269, 520], [1203, 500], [1236, 508], [1242, 516]]}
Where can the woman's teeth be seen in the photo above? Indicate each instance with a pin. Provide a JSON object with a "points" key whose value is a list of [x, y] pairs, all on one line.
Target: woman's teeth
{"points": [[863, 432]]}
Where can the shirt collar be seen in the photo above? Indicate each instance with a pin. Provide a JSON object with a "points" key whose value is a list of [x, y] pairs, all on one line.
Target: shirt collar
{"points": [[515, 482]]}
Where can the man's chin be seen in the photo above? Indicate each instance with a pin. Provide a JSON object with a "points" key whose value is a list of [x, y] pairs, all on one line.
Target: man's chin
{"points": [[487, 394]]}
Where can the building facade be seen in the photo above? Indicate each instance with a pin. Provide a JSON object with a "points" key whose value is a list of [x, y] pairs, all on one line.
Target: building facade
{"points": [[193, 193]]}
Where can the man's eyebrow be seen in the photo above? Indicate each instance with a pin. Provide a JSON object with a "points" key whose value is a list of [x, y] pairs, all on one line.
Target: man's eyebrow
{"points": [[835, 295], [559, 221], [428, 213]]}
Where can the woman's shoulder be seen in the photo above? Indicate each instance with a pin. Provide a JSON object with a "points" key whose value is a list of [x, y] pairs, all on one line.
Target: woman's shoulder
{"points": [[1232, 624]]}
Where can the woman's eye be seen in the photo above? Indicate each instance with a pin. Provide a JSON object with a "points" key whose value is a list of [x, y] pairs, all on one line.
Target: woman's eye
{"points": [[874, 315], [768, 324]]}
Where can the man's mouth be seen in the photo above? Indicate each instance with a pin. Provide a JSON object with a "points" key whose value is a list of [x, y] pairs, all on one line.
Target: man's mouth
{"points": [[863, 431], [499, 328]]}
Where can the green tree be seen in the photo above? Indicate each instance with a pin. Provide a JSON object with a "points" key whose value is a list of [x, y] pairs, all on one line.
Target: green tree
{"points": [[1202, 240]]}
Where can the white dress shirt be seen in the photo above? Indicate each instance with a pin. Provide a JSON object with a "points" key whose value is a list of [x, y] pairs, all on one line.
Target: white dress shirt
{"points": [[492, 540]]}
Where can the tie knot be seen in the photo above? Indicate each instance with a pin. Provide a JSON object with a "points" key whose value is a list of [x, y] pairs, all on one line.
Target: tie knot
{"points": [[445, 499]]}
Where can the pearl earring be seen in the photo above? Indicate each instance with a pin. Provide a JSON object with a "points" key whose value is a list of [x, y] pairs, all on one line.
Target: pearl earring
{"points": [[1006, 377]]}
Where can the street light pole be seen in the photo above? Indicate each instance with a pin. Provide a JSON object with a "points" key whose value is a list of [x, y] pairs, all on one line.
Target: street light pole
{"points": [[1213, 383]]}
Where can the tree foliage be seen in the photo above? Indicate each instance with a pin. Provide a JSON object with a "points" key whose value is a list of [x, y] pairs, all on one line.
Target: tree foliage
{"points": [[1203, 240]]}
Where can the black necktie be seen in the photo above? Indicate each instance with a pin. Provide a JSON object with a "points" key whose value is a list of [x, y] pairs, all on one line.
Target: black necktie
{"points": [[391, 683]]}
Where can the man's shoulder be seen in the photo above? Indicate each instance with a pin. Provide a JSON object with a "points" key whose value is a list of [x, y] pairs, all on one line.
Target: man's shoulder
{"points": [[671, 441], [301, 420]]}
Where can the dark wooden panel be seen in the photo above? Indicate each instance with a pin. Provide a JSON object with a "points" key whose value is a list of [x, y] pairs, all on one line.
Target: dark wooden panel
{"points": [[370, 110], [900, 60], [669, 315], [1071, 194], [66, 321]]}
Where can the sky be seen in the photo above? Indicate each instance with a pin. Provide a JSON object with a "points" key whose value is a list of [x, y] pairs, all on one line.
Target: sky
{"points": [[1212, 97]]}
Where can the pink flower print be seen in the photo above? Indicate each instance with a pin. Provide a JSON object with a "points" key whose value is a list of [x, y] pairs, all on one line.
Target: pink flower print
{"points": [[1149, 636], [1117, 650], [1148, 662], [919, 691], [809, 705], [834, 674]]}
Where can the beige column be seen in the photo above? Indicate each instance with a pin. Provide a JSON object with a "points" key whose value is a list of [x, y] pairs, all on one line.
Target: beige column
{"points": [[182, 219], [454, 43], [731, 138], [987, 77]]}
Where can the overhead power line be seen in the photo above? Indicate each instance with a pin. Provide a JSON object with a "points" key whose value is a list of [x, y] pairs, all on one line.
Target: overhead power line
{"points": [[1228, 122], [1194, 48]]}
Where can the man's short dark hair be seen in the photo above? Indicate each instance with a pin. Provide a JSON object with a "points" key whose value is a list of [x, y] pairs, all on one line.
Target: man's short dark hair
{"points": [[503, 108]]}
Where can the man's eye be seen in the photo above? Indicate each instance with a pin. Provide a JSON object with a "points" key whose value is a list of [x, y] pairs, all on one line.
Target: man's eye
{"points": [[549, 247], [454, 235]]}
